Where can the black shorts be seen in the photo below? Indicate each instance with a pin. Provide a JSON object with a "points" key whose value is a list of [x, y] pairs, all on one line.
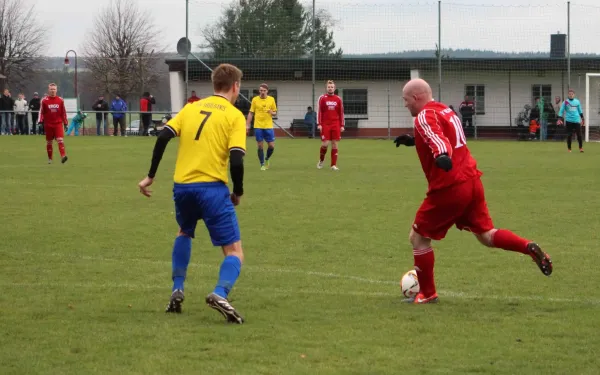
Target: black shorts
{"points": [[572, 127]]}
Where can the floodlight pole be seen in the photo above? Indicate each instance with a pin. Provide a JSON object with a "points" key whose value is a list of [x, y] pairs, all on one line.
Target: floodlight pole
{"points": [[568, 44], [440, 50], [75, 78], [187, 55], [314, 51]]}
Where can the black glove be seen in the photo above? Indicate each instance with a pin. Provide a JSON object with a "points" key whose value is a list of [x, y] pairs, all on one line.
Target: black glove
{"points": [[444, 162], [405, 139]]}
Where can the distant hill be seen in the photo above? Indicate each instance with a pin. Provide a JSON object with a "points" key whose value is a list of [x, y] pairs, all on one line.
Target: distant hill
{"points": [[57, 63], [465, 53]]}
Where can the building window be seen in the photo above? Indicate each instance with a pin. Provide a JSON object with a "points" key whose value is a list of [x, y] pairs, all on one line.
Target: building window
{"points": [[477, 94], [541, 91], [242, 104], [355, 102]]}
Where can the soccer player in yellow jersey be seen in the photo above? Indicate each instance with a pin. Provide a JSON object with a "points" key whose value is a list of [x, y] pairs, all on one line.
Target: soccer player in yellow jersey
{"points": [[262, 109], [212, 134]]}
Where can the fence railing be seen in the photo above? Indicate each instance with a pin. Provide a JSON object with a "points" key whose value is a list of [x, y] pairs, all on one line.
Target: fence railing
{"points": [[94, 123], [12, 123]]}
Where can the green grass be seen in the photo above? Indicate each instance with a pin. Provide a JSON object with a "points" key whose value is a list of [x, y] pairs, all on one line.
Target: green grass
{"points": [[85, 266]]}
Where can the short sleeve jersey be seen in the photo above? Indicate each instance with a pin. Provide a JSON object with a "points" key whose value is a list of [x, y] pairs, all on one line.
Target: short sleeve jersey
{"points": [[208, 130], [261, 107]]}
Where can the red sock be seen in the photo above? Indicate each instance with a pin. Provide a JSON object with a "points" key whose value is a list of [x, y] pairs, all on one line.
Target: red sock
{"points": [[334, 154], [49, 149], [424, 261], [61, 147], [507, 240], [323, 153]]}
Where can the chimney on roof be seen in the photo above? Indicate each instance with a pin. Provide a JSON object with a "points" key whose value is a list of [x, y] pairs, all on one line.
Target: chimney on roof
{"points": [[558, 46]]}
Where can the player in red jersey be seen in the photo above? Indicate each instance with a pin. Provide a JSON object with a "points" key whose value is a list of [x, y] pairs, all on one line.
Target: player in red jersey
{"points": [[53, 116], [455, 195], [330, 120]]}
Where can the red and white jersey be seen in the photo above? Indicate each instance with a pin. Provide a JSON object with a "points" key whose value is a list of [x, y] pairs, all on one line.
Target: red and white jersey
{"points": [[438, 130], [330, 111], [53, 111]]}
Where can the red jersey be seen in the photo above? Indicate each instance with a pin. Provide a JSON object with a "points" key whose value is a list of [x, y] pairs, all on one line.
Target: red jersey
{"points": [[53, 111], [438, 130], [330, 111], [193, 99]]}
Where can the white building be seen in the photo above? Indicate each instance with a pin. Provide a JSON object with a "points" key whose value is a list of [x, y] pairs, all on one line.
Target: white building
{"points": [[371, 87]]}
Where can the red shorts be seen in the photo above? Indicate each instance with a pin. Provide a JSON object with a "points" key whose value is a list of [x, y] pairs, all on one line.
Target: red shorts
{"points": [[331, 133], [54, 131], [462, 205]]}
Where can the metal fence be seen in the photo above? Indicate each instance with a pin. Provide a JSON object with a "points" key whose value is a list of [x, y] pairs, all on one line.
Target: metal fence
{"points": [[502, 57], [94, 123]]}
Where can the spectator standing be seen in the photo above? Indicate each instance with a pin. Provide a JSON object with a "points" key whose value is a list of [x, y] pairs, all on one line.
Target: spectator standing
{"points": [[467, 110], [34, 107], [20, 108], [118, 107], [146, 118], [193, 98], [101, 108], [5, 109]]}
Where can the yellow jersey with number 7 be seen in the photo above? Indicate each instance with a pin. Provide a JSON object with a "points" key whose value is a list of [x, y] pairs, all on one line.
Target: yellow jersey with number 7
{"points": [[207, 129]]}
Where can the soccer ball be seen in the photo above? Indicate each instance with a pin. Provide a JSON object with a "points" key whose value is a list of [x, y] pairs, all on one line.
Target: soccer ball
{"points": [[410, 284]]}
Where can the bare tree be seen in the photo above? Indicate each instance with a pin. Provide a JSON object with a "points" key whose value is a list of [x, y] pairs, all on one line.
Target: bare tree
{"points": [[120, 50], [21, 41]]}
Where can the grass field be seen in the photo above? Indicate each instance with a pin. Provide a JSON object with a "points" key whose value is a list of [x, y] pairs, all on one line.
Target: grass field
{"points": [[86, 269]]}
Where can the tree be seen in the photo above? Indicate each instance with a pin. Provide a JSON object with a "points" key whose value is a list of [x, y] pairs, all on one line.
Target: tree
{"points": [[270, 28], [120, 50], [21, 41], [438, 51]]}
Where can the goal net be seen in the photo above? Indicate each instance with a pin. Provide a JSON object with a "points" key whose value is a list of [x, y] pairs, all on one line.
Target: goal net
{"points": [[592, 107]]}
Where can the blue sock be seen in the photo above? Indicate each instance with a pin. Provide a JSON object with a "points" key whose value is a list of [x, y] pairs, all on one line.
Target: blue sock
{"points": [[230, 270], [270, 152], [182, 250], [261, 156]]}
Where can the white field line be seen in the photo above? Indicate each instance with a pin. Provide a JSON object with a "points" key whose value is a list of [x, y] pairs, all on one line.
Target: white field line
{"points": [[262, 269]]}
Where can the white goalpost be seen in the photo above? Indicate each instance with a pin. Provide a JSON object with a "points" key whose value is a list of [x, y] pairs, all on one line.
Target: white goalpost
{"points": [[592, 104]]}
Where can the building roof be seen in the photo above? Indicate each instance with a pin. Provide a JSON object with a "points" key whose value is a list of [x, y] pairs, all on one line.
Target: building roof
{"points": [[372, 68]]}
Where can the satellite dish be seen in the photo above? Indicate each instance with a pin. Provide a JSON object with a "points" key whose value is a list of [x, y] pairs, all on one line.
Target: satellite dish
{"points": [[184, 47]]}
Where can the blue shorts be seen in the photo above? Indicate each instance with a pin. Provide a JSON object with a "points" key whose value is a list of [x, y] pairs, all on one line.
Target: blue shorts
{"points": [[211, 202], [267, 135]]}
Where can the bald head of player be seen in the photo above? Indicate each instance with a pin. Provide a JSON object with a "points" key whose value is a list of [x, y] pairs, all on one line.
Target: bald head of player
{"points": [[416, 94]]}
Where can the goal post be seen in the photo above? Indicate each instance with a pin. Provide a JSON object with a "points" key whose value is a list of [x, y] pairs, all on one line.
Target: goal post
{"points": [[592, 99]]}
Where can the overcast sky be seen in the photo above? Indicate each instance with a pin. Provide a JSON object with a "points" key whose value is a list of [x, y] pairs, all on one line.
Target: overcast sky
{"points": [[365, 26]]}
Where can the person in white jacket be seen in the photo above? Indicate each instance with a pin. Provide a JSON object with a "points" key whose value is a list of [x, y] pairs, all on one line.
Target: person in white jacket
{"points": [[21, 110]]}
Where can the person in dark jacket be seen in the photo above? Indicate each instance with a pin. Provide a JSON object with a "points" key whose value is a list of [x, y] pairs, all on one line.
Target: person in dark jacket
{"points": [[6, 108], [467, 110], [100, 106], [34, 107], [118, 107], [146, 118]]}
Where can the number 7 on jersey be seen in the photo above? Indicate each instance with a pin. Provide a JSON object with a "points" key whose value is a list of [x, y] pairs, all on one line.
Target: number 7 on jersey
{"points": [[207, 115]]}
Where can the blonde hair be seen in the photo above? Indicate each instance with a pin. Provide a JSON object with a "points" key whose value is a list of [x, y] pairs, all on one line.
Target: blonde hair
{"points": [[225, 76]]}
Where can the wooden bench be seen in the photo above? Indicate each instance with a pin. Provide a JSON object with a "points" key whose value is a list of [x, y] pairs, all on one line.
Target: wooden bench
{"points": [[298, 124], [351, 123]]}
